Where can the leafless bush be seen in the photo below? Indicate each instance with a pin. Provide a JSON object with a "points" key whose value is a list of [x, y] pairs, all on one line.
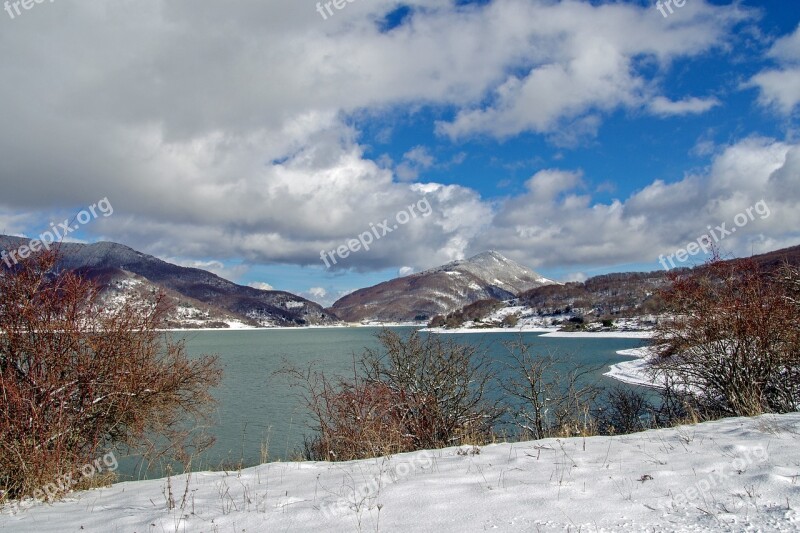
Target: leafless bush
{"points": [[546, 402], [352, 418], [77, 378], [443, 385], [733, 340], [414, 393], [626, 411]]}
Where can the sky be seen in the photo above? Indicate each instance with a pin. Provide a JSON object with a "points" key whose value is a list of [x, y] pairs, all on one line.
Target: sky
{"points": [[250, 137]]}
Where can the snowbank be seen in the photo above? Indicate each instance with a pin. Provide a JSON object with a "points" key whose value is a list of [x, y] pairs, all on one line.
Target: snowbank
{"points": [[732, 475]]}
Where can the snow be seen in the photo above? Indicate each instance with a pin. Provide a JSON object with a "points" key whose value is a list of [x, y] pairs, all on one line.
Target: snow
{"points": [[601, 334], [489, 330], [237, 324], [537, 325], [738, 474], [635, 372], [503, 312]]}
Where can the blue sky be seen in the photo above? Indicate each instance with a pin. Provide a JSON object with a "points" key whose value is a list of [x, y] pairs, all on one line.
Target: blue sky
{"points": [[577, 138]]}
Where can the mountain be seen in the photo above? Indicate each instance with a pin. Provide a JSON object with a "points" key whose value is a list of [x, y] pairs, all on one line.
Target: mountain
{"points": [[627, 297], [202, 299], [439, 290], [627, 293]]}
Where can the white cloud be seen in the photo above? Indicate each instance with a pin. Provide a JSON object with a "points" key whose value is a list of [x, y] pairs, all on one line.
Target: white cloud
{"points": [[420, 156], [583, 61], [554, 224], [261, 286], [318, 292], [405, 271], [322, 296], [14, 223], [688, 106], [415, 160], [545, 185], [203, 154], [787, 49], [580, 277], [780, 87], [231, 273]]}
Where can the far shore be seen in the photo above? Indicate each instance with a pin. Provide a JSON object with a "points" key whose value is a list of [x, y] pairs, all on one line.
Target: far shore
{"points": [[546, 332]]}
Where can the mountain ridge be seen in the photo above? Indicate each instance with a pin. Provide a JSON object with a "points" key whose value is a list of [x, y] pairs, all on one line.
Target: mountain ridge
{"points": [[438, 290], [222, 300]]}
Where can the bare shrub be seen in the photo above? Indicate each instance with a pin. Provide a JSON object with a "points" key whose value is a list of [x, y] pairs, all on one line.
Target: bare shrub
{"points": [[733, 339], [352, 419], [546, 402], [412, 394], [626, 411], [77, 378]]}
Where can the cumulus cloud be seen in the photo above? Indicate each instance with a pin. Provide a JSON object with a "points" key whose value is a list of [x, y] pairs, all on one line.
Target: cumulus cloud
{"points": [[688, 106], [780, 87], [319, 292], [575, 276], [415, 160], [585, 61], [232, 273], [226, 132], [261, 286], [322, 296], [405, 271], [556, 224]]}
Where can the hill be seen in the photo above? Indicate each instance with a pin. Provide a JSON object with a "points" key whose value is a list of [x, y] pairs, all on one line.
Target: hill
{"points": [[439, 290], [202, 298]]}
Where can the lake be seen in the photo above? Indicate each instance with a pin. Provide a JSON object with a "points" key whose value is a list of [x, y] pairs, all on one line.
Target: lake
{"points": [[259, 408]]}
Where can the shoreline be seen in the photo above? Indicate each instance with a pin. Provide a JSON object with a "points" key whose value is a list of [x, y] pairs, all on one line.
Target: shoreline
{"points": [[601, 334], [636, 371], [443, 331], [297, 328], [546, 332]]}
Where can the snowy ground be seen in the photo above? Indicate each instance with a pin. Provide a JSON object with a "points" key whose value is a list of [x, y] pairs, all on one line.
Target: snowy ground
{"points": [[734, 475]]}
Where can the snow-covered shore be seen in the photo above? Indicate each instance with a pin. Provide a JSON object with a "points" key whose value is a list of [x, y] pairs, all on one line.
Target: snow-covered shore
{"points": [[635, 372], [738, 474], [550, 332], [601, 334], [488, 330]]}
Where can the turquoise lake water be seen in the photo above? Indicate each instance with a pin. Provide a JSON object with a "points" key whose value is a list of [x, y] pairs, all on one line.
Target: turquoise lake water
{"points": [[257, 406]]}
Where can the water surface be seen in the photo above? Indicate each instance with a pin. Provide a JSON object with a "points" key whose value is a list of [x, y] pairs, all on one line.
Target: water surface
{"points": [[258, 408]]}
